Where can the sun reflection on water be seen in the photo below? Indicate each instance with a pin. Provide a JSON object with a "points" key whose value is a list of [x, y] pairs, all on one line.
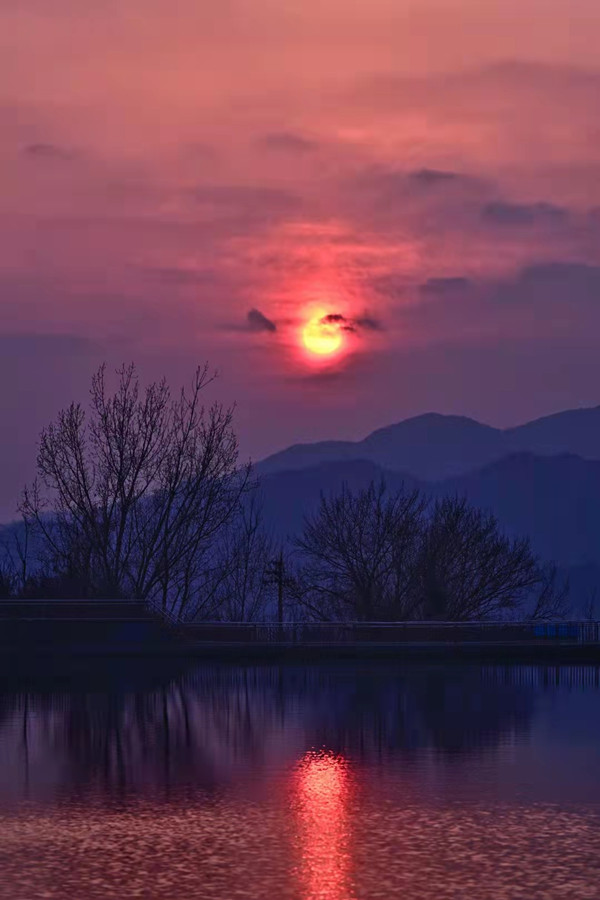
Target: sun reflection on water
{"points": [[322, 797]]}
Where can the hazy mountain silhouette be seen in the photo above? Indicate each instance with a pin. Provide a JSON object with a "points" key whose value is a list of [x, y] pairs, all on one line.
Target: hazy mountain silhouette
{"points": [[436, 447], [555, 501], [541, 479], [287, 497], [573, 431]]}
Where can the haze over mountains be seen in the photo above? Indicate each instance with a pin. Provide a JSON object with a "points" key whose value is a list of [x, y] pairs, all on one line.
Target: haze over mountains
{"points": [[541, 479]]}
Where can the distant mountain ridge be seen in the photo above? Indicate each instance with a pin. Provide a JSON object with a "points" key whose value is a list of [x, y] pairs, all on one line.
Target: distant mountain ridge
{"points": [[553, 500], [435, 447], [540, 479]]}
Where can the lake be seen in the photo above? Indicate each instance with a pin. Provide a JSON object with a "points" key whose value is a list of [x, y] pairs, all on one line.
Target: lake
{"points": [[292, 782]]}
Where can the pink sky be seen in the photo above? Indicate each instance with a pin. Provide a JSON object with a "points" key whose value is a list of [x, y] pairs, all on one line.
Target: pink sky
{"points": [[428, 170]]}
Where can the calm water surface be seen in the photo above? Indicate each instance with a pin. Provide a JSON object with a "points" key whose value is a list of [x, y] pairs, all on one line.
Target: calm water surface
{"points": [[302, 783]]}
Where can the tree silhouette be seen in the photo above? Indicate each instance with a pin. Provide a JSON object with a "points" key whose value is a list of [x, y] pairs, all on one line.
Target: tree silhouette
{"points": [[469, 570], [247, 548], [377, 556], [359, 555], [133, 494]]}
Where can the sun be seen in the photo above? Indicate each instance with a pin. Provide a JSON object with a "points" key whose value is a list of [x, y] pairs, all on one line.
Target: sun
{"points": [[321, 338]]}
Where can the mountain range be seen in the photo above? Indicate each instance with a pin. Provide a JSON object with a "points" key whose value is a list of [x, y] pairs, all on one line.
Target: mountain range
{"points": [[434, 446], [541, 479]]}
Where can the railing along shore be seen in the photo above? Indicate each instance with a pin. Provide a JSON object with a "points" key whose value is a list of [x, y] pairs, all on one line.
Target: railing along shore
{"points": [[137, 624], [395, 632]]}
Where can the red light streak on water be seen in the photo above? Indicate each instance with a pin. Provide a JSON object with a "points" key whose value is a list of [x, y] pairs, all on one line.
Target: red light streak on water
{"points": [[322, 794]]}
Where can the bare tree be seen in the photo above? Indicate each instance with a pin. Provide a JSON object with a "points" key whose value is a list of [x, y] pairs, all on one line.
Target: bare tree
{"points": [[7, 582], [132, 495], [470, 570], [358, 555], [247, 549], [590, 605], [372, 555], [550, 598], [7, 568], [15, 558]]}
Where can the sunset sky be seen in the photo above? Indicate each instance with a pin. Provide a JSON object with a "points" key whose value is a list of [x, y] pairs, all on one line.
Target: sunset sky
{"points": [[415, 183]]}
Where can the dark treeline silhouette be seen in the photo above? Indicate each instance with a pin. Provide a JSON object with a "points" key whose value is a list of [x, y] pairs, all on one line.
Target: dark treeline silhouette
{"points": [[142, 496], [375, 556]]}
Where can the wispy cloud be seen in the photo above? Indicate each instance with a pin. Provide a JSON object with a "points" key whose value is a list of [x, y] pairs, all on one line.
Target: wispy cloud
{"points": [[288, 142], [47, 151], [433, 178], [441, 287], [523, 214]]}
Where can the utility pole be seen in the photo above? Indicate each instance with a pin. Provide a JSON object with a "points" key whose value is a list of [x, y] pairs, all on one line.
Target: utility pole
{"points": [[280, 577], [275, 574]]}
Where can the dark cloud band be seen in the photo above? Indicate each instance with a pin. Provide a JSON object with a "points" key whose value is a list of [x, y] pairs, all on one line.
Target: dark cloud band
{"points": [[352, 325], [257, 321]]}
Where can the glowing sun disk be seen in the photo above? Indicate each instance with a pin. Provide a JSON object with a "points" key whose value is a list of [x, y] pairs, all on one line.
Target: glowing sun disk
{"points": [[321, 338]]}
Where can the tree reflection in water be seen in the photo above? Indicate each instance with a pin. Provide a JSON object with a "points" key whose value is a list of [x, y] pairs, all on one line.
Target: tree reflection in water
{"points": [[304, 783], [218, 724]]}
